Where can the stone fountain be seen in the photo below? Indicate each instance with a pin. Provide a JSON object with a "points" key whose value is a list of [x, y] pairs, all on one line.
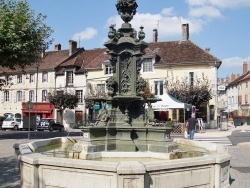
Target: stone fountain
{"points": [[126, 125], [123, 149]]}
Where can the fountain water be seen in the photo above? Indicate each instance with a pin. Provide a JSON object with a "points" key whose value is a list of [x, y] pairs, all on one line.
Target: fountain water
{"points": [[125, 130]]}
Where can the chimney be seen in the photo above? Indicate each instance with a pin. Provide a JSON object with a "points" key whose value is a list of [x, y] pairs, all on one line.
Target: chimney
{"points": [[233, 76], [43, 54], [72, 46], [185, 32], [227, 79], [57, 47], [155, 35], [238, 75], [245, 67]]}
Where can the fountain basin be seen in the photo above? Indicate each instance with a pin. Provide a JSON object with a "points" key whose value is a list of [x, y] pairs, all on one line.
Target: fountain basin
{"points": [[39, 170]]}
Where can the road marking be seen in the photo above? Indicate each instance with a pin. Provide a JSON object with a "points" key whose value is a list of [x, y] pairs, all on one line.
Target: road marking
{"points": [[221, 140]]}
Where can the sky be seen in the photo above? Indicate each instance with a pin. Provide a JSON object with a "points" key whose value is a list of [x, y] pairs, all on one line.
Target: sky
{"points": [[220, 25]]}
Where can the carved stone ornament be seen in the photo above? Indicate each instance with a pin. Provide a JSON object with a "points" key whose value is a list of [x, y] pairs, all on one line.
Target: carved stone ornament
{"points": [[126, 9]]}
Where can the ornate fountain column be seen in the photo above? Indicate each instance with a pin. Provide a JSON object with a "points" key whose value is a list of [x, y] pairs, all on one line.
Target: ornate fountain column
{"points": [[126, 127]]}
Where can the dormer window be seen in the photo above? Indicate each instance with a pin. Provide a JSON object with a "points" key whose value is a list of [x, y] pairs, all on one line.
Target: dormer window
{"points": [[147, 65], [69, 78], [19, 78], [108, 69], [45, 77], [32, 78]]}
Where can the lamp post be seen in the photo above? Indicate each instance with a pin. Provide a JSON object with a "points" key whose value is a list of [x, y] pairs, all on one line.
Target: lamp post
{"points": [[86, 83]]}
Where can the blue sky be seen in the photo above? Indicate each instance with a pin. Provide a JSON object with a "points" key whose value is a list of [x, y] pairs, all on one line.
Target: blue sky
{"points": [[221, 25]]}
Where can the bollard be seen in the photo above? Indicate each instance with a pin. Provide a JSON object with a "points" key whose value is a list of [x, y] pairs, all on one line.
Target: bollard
{"points": [[17, 153]]}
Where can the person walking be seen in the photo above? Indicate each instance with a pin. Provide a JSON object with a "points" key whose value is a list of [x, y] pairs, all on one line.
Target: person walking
{"points": [[190, 125]]}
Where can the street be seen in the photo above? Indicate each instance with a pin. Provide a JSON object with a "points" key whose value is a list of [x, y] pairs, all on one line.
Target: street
{"points": [[240, 151]]}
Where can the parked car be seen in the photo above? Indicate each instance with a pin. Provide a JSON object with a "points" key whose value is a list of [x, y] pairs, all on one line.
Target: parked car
{"points": [[2, 118], [49, 124], [12, 123]]}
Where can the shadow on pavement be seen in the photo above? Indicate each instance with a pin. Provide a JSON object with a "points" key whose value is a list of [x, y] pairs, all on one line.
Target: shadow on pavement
{"points": [[37, 135], [9, 178]]}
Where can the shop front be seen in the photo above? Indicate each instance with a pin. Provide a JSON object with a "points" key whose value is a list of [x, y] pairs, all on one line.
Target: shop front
{"points": [[39, 110]]}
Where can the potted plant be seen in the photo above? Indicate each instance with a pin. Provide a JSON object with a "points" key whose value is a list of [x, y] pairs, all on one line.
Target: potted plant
{"points": [[238, 120]]}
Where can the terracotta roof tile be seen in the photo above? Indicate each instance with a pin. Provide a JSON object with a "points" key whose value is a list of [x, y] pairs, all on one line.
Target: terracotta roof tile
{"points": [[51, 60], [237, 80], [177, 52], [173, 52]]}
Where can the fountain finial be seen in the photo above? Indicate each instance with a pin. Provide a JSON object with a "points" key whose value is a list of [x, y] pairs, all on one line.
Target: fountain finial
{"points": [[126, 9]]}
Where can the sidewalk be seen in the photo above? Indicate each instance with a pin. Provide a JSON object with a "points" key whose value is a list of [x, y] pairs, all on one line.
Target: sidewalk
{"points": [[220, 133]]}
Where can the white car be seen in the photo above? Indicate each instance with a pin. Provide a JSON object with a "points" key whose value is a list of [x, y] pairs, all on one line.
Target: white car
{"points": [[12, 123]]}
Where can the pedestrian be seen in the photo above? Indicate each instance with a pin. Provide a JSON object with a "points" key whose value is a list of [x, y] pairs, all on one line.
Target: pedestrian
{"points": [[190, 125]]}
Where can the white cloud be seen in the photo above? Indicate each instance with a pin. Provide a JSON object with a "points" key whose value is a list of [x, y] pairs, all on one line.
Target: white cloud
{"points": [[233, 65], [219, 3], [196, 2], [234, 62], [229, 3], [168, 26], [86, 34], [167, 11], [205, 11], [213, 8]]}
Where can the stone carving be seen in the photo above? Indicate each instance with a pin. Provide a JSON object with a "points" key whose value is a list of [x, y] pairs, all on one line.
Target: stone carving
{"points": [[102, 118], [141, 33], [113, 60], [140, 86], [150, 114], [126, 9], [111, 83], [125, 73]]}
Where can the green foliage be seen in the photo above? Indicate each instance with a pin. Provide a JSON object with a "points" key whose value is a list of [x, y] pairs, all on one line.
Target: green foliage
{"points": [[169, 124], [197, 94], [64, 100], [23, 36], [147, 91]]}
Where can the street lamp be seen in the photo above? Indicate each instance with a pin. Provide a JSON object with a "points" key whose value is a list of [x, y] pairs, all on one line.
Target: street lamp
{"points": [[86, 83]]}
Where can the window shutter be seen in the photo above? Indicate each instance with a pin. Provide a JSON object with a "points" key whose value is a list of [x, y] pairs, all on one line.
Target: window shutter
{"points": [[14, 96], [2, 96], [186, 77], [196, 77], [23, 96]]}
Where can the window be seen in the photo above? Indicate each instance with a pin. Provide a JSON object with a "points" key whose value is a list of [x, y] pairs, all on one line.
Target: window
{"points": [[44, 94], [32, 78], [19, 79], [79, 96], [246, 99], [45, 77], [191, 78], [60, 92], [246, 84], [8, 79], [158, 87], [69, 78], [6, 96], [100, 89], [31, 96], [174, 114], [108, 69], [19, 97], [147, 65]]}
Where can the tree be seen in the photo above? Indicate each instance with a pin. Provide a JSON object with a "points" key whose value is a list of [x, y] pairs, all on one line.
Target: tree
{"points": [[23, 36], [63, 100], [196, 94], [147, 91]]}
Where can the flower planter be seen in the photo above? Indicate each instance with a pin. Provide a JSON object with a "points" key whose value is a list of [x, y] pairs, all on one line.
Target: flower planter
{"points": [[238, 121], [248, 121]]}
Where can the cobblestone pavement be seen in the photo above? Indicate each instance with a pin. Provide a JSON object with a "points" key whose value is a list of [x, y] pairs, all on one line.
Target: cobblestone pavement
{"points": [[239, 171]]}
